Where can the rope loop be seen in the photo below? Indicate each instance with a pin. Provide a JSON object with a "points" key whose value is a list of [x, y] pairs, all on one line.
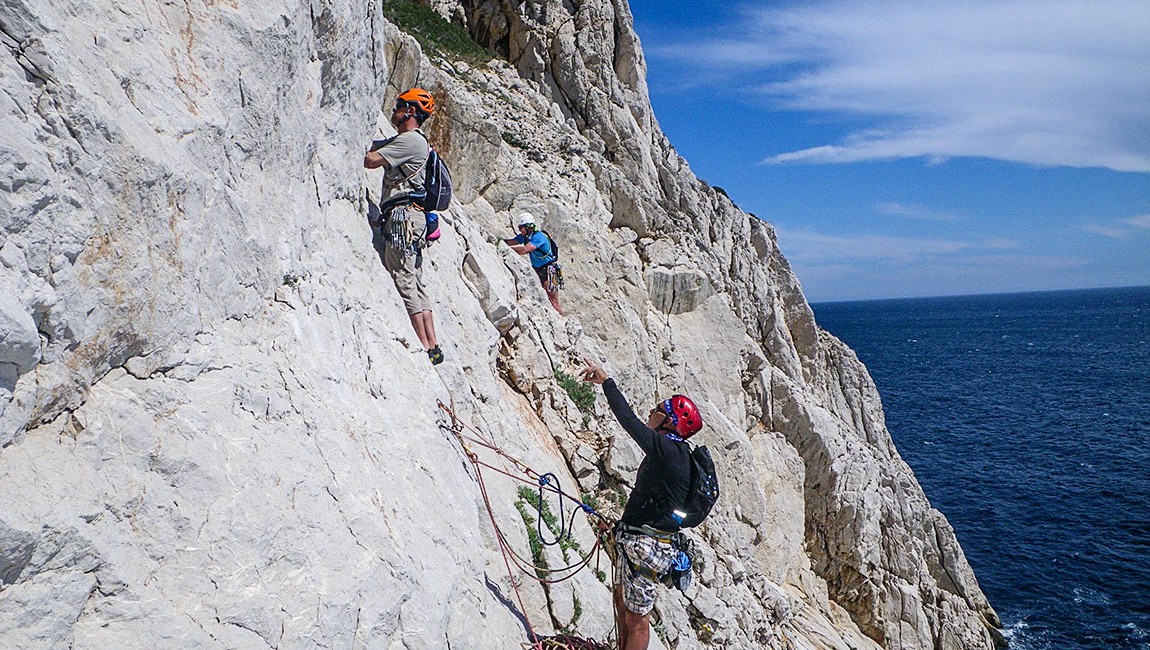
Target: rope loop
{"points": [[545, 480], [465, 433]]}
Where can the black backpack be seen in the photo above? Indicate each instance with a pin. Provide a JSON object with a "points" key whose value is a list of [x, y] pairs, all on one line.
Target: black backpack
{"points": [[436, 183], [704, 491], [554, 246], [436, 179]]}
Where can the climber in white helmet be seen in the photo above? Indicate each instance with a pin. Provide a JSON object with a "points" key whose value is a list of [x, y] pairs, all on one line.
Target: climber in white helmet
{"points": [[544, 256]]}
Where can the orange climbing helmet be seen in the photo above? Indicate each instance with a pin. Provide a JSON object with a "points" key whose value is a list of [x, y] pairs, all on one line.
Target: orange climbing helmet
{"points": [[684, 415], [420, 98]]}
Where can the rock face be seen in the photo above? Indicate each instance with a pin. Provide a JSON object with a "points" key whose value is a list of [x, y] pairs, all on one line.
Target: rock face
{"points": [[219, 430]]}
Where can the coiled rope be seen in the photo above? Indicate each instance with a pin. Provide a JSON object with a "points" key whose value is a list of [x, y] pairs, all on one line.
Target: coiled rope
{"points": [[468, 435]]}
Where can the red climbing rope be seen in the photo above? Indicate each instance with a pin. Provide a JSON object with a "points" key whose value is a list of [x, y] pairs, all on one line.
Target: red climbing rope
{"points": [[603, 527]]}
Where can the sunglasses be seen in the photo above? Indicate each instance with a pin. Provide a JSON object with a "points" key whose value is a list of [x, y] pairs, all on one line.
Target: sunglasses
{"points": [[664, 408], [402, 106]]}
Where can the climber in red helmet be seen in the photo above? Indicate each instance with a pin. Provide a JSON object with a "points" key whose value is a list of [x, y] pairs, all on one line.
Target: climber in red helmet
{"points": [[646, 538]]}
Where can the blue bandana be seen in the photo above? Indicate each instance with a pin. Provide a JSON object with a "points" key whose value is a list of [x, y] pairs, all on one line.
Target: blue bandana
{"points": [[669, 412], [666, 408]]}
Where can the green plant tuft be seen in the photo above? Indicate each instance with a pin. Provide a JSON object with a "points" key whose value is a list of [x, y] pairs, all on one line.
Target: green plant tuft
{"points": [[576, 613], [533, 540], [529, 500], [513, 140], [435, 34], [580, 392], [661, 630], [592, 499]]}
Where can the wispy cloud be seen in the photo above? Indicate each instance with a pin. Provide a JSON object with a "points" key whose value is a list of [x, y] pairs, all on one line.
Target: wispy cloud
{"points": [[1122, 229], [950, 274], [915, 212], [1048, 82], [1107, 231], [809, 247], [998, 243]]}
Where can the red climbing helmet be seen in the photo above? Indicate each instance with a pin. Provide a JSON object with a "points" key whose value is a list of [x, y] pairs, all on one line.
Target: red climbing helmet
{"points": [[684, 415]]}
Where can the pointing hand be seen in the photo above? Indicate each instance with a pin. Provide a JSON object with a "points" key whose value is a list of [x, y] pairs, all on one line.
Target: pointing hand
{"points": [[593, 373]]}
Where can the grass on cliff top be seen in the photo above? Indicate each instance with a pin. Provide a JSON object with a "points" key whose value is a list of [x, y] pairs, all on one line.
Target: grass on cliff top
{"points": [[436, 35]]}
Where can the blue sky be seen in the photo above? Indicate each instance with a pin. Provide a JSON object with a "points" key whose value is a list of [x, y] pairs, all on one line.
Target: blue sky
{"points": [[918, 147]]}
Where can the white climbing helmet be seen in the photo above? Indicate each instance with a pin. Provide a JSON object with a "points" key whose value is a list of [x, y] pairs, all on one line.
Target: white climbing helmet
{"points": [[525, 219]]}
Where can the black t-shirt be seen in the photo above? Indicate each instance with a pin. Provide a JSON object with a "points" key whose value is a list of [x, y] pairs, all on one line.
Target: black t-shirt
{"points": [[664, 476]]}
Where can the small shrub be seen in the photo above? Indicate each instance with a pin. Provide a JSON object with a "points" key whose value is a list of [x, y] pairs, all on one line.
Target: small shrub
{"points": [[577, 612], [513, 140], [661, 630], [592, 500], [533, 540], [704, 627], [580, 392]]}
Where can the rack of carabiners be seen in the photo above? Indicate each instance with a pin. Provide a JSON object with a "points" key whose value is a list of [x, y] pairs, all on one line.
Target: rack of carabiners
{"points": [[467, 436]]}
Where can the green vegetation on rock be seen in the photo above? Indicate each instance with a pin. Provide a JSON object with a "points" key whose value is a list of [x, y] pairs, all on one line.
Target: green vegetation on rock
{"points": [[436, 35], [580, 392]]}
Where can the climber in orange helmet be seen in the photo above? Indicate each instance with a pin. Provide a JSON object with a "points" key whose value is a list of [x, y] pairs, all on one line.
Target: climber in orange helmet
{"points": [[398, 233]]}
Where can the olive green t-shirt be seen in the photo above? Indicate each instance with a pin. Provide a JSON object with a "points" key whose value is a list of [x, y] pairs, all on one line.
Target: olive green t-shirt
{"points": [[405, 154]]}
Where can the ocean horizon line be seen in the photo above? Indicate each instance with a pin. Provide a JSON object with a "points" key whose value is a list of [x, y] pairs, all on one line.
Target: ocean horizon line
{"points": [[989, 294]]}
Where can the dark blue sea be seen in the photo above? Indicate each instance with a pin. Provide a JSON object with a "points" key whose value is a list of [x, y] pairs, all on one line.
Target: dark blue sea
{"points": [[1026, 418]]}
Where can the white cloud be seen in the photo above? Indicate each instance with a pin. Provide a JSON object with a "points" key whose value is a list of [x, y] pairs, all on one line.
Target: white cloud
{"points": [[814, 247], [1107, 231], [915, 212], [1048, 82], [998, 243], [1120, 228]]}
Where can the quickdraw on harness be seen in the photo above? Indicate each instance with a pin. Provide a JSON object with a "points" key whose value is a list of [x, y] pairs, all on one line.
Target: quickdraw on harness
{"points": [[552, 277], [468, 435], [678, 575], [396, 230]]}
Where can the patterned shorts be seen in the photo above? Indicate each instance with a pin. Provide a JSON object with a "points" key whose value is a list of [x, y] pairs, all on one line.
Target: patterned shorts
{"points": [[642, 551]]}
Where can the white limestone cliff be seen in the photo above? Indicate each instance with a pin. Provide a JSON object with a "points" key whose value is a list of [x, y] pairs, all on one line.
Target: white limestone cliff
{"points": [[218, 430]]}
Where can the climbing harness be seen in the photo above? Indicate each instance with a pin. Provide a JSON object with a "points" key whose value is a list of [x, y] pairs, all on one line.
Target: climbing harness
{"points": [[679, 573], [398, 232], [552, 277], [467, 436], [396, 226]]}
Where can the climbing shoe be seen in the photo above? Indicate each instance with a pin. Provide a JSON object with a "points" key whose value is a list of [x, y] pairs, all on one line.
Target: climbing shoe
{"points": [[436, 355]]}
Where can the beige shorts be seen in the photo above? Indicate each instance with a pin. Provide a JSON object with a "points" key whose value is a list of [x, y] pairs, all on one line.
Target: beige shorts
{"points": [[407, 277]]}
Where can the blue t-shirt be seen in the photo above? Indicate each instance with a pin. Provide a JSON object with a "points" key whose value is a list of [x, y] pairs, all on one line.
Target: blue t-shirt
{"points": [[542, 255]]}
